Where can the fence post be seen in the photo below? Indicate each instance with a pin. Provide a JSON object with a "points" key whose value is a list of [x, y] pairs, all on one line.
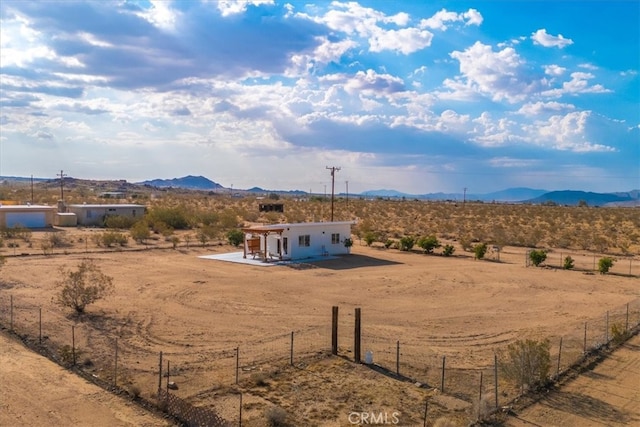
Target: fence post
{"points": [[356, 337], [40, 323], [606, 329], [160, 374], [480, 397], [11, 315], [559, 356], [115, 369], [626, 322], [73, 344], [495, 376], [291, 351], [584, 350], [240, 415], [398, 358], [168, 378], [237, 363], [334, 330], [426, 408], [442, 381]]}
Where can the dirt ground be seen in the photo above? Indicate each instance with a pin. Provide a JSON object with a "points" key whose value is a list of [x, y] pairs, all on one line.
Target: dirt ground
{"points": [[197, 311]]}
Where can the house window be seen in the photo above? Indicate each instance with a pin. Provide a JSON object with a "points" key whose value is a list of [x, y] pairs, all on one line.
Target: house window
{"points": [[133, 213], [304, 240], [112, 209], [335, 238]]}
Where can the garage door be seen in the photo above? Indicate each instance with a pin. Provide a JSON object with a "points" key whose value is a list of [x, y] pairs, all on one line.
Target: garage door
{"points": [[26, 219]]}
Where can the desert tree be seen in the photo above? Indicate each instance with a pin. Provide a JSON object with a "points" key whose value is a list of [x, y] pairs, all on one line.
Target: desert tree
{"points": [[84, 286], [235, 237], [428, 243], [480, 250], [140, 231], [568, 263], [407, 243]]}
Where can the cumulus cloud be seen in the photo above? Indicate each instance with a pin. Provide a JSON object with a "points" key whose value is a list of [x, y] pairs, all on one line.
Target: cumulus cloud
{"points": [[541, 37], [442, 18]]}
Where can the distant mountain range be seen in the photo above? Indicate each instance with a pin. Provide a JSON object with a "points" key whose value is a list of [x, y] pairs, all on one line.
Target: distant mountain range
{"points": [[510, 195]]}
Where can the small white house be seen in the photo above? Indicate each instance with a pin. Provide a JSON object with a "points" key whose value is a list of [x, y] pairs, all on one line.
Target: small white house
{"points": [[95, 214], [297, 241], [28, 216]]}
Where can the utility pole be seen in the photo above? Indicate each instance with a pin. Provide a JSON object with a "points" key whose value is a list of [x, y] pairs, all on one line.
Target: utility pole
{"points": [[62, 175], [347, 184], [464, 196], [333, 170]]}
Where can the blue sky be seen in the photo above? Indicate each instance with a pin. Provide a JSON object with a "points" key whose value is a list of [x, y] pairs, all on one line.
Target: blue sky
{"points": [[407, 95]]}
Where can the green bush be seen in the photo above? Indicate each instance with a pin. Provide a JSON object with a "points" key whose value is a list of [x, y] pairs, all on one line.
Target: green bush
{"points": [[174, 217], [111, 238], [448, 250], [235, 237], [369, 238], [406, 243], [140, 231], [480, 250], [605, 264], [119, 221], [568, 263], [537, 257], [428, 243]]}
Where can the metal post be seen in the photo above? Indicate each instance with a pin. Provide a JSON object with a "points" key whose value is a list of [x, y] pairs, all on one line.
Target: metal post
{"points": [[443, 367], [480, 396], [160, 374], [584, 350], [73, 344], [559, 356], [115, 369], [240, 415], [398, 358], [11, 315], [426, 407], [606, 329], [495, 377], [40, 324], [357, 336], [237, 363], [291, 352], [626, 322], [334, 330]]}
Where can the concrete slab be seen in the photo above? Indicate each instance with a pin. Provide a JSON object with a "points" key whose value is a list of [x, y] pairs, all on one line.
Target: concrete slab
{"points": [[238, 258]]}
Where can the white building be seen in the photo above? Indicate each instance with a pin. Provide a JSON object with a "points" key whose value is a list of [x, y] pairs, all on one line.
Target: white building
{"points": [[95, 214], [28, 216], [297, 241]]}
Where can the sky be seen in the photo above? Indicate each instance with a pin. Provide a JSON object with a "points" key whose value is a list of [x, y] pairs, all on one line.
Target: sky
{"points": [[414, 96]]}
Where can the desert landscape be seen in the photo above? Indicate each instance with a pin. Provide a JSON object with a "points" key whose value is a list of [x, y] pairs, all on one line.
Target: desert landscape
{"points": [[261, 332]]}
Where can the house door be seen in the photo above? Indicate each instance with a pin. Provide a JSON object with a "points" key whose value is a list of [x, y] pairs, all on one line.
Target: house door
{"points": [[285, 245]]}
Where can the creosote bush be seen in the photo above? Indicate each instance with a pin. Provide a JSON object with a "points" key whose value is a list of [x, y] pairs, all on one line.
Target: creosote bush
{"points": [[605, 264], [526, 362], [568, 263], [84, 286], [480, 250], [537, 257]]}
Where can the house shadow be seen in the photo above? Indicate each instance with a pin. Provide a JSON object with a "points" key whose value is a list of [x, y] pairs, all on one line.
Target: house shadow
{"points": [[344, 262]]}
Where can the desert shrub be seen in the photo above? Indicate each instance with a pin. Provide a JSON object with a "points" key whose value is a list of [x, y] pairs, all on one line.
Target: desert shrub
{"points": [[2, 261], [369, 237], [605, 264], [348, 242], [208, 218], [82, 287], [276, 417], [47, 247], [537, 257], [619, 334], [67, 354], [56, 240], [406, 243], [388, 243], [568, 263], [526, 362], [111, 238], [448, 250], [480, 250], [119, 221], [140, 231], [235, 237], [174, 241], [229, 219], [175, 217], [134, 391], [428, 243], [466, 244]]}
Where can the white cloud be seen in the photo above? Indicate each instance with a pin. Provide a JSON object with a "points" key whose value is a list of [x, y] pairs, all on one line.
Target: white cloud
{"points": [[566, 133], [161, 14], [579, 83], [554, 70], [405, 40], [547, 40], [234, 7], [441, 18]]}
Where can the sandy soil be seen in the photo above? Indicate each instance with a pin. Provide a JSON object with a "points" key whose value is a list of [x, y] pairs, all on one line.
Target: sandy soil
{"points": [[197, 311], [35, 391]]}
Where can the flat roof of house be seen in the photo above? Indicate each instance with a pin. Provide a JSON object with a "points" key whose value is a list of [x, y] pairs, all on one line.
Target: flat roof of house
{"points": [[298, 224], [24, 207], [102, 205]]}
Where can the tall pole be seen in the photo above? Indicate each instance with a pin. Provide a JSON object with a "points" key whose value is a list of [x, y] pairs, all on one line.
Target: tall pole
{"points": [[347, 184], [333, 170], [62, 175], [464, 196]]}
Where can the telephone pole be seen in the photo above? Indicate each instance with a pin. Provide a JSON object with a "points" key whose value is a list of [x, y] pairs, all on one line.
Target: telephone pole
{"points": [[347, 184], [333, 170], [61, 175]]}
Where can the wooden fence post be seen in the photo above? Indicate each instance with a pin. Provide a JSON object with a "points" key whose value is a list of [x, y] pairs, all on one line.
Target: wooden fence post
{"points": [[357, 336], [334, 330]]}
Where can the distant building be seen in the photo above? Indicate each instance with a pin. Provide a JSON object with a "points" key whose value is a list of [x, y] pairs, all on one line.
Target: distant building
{"points": [[297, 241], [29, 216], [271, 207], [95, 214]]}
